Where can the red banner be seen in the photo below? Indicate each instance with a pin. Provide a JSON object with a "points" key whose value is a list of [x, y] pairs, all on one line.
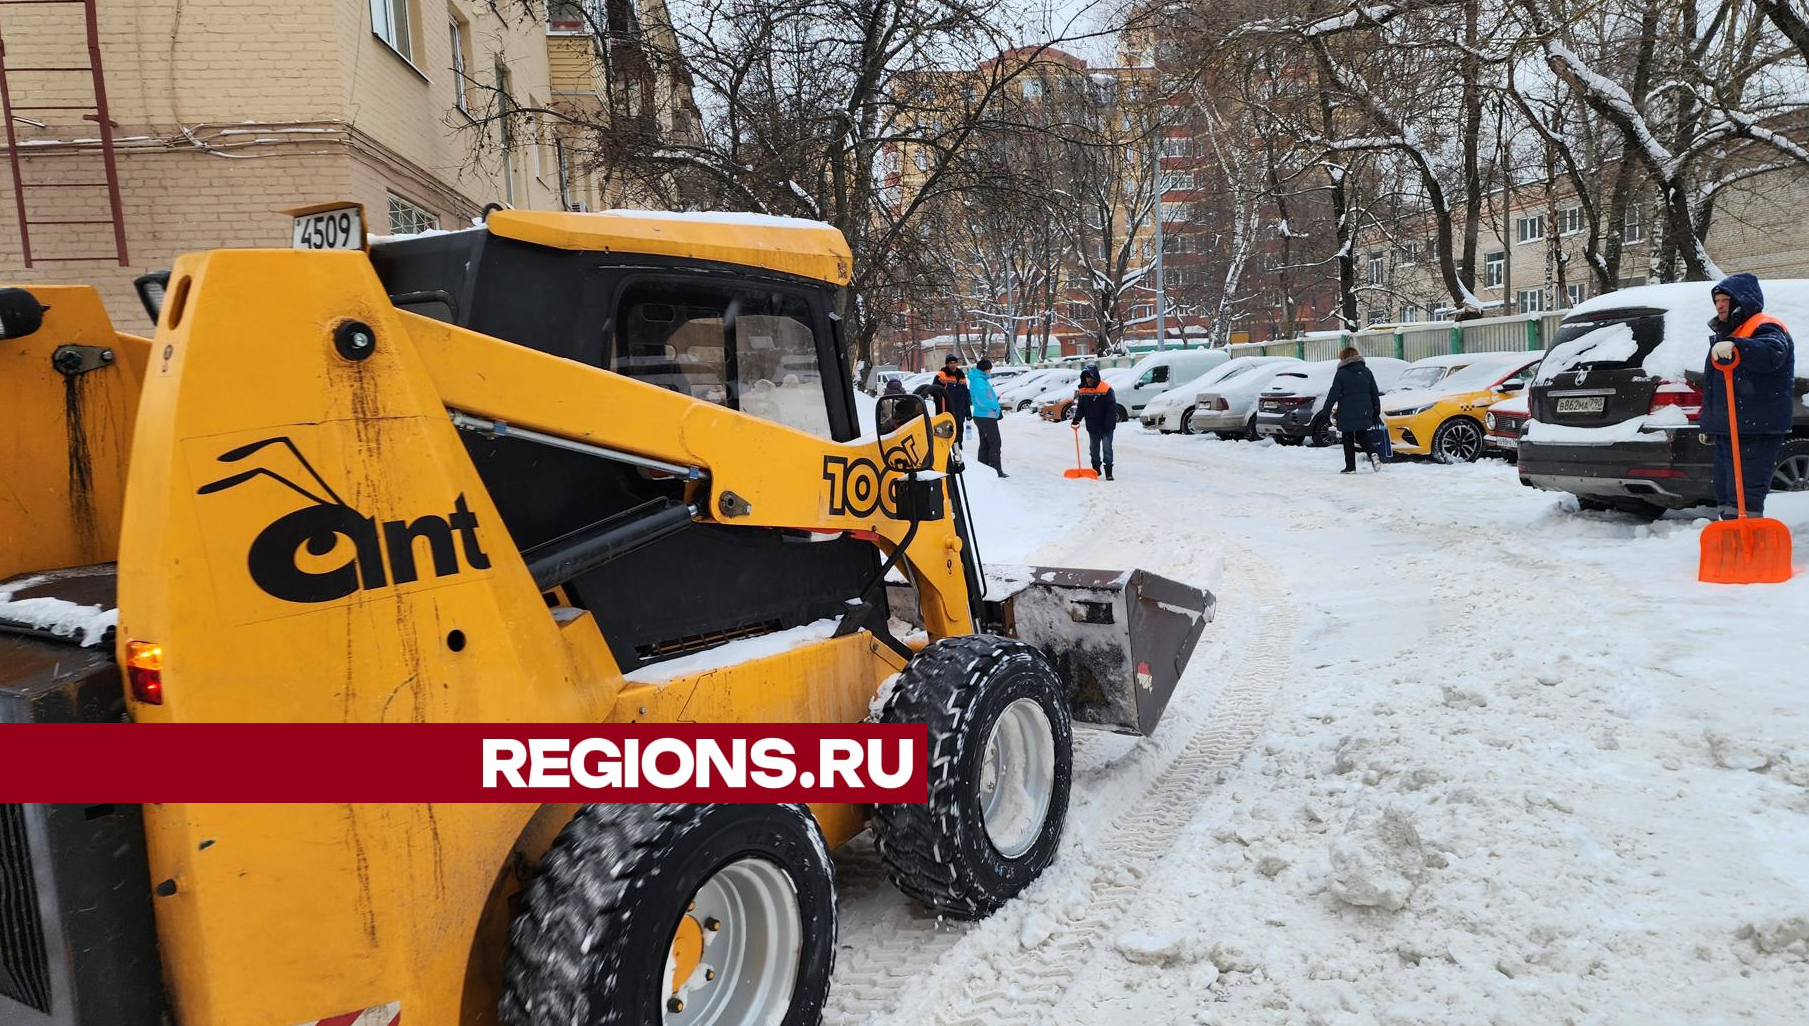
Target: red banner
{"points": [[463, 762]]}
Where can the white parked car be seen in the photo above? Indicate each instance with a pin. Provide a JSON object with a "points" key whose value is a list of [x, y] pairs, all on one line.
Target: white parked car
{"points": [[1159, 372], [1172, 411], [1025, 395], [1228, 409], [1425, 374]]}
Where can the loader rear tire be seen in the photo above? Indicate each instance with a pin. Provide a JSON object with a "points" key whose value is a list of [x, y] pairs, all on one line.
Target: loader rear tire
{"points": [[621, 903], [1000, 759]]}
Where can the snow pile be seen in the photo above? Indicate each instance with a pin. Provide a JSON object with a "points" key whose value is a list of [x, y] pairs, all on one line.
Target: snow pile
{"points": [[735, 652], [1650, 428], [86, 625]]}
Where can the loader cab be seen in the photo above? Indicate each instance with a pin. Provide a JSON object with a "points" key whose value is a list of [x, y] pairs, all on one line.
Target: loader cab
{"points": [[738, 312]]}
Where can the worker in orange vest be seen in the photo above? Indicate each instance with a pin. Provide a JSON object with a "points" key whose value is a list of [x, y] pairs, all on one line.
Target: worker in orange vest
{"points": [[1764, 391]]}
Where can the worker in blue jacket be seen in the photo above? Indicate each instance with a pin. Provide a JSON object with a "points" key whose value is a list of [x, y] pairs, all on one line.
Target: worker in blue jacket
{"points": [[1764, 383], [983, 403]]}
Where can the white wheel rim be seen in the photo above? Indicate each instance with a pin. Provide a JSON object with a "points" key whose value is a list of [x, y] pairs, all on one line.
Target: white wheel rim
{"points": [[1017, 777], [749, 966]]}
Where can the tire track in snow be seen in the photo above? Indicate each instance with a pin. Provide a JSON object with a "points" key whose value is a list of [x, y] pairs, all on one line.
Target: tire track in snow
{"points": [[1016, 983]]}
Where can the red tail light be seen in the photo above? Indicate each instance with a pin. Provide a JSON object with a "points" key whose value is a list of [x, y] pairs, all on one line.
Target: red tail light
{"points": [[1665, 472], [144, 669], [1292, 400], [1680, 394]]}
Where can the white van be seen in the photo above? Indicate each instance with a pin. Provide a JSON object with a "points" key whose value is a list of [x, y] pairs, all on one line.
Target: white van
{"points": [[1159, 372]]}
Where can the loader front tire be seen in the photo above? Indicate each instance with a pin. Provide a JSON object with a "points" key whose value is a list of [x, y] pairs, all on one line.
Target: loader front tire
{"points": [[675, 914], [1000, 759]]}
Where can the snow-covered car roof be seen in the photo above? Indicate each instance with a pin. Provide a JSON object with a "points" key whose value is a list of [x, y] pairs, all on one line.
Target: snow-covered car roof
{"points": [[1316, 378], [1249, 383], [1687, 308]]}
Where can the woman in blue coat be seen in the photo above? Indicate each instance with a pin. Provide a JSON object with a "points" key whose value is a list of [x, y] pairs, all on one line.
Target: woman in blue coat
{"points": [[983, 401], [1359, 407]]}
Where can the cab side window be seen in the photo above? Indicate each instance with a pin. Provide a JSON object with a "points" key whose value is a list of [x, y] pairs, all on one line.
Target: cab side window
{"points": [[1154, 376]]}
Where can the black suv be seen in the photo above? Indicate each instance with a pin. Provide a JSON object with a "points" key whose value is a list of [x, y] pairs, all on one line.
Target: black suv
{"points": [[1650, 470]]}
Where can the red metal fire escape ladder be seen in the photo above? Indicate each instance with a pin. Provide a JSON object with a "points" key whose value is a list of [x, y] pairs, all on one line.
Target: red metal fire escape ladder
{"points": [[95, 112]]}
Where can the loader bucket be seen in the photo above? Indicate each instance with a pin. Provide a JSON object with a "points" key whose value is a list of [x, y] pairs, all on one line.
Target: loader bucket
{"points": [[1118, 639]]}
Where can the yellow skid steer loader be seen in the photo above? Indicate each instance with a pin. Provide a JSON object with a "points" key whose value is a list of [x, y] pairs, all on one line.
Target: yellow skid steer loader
{"points": [[517, 473]]}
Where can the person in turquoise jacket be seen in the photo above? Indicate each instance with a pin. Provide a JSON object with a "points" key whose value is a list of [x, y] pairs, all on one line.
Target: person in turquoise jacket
{"points": [[986, 412]]}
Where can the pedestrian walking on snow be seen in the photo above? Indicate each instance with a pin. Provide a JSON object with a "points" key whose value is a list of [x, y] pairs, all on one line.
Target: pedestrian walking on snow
{"points": [[1357, 403], [1097, 408], [954, 396], [984, 404], [1764, 383]]}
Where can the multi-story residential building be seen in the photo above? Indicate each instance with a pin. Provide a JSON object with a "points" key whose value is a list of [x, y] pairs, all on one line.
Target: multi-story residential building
{"points": [[226, 113], [1531, 252]]}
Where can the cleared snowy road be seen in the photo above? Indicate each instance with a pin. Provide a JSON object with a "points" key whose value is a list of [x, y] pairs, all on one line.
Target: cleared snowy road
{"points": [[1451, 753]]}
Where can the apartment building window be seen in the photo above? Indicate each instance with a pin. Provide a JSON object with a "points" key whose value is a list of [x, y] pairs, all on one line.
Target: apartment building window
{"points": [[1410, 314], [1379, 315], [1530, 300], [1494, 269], [1175, 146], [503, 135], [562, 167], [563, 16], [922, 158], [1174, 212], [391, 23], [407, 218], [1375, 268], [1632, 229], [461, 98], [1033, 88], [1177, 181], [1574, 294], [1530, 229], [1407, 254], [1570, 220], [1634, 282]]}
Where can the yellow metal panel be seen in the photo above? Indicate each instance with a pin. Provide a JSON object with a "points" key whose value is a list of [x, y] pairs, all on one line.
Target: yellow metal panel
{"points": [[63, 453], [804, 248]]}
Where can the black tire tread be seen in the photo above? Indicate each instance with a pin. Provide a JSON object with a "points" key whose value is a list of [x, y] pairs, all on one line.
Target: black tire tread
{"points": [[570, 899], [917, 842]]}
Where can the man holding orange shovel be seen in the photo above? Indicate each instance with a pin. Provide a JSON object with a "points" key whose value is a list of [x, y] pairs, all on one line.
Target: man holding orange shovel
{"points": [[1763, 385]]}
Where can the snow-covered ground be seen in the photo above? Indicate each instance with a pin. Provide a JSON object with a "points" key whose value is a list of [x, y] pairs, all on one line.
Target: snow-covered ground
{"points": [[1452, 753]]}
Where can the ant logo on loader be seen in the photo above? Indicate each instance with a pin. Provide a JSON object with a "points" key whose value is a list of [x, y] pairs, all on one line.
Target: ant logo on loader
{"points": [[382, 554]]}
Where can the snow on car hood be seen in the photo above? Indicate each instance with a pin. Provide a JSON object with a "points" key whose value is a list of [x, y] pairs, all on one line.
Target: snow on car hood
{"points": [[1687, 308]]}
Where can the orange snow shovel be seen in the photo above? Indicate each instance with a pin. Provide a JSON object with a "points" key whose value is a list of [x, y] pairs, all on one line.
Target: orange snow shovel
{"points": [[1750, 550], [1079, 471]]}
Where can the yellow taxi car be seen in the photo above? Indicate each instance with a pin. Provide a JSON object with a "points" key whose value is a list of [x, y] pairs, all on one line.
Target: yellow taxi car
{"points": [[1446, 421]]}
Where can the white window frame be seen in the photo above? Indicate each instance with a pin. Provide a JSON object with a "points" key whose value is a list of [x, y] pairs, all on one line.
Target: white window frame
{"points": [[1494, 269], [1174, 213], [1409, 314], [1375, 269], [1574, 293], [1529, 300], [407, 217], [1530, 228], [1176, 146], [1177, 181], [1033, 88], [1633, 225], [1570, 220], [461, 85], [1407, 254], [397, 35]]}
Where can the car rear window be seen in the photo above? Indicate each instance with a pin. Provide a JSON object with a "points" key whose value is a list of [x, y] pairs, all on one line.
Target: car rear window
{"points": [[1600, 341]]}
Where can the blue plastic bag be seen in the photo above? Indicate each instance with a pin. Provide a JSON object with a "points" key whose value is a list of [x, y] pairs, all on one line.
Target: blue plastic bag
{"points": [[1379, 443]]}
